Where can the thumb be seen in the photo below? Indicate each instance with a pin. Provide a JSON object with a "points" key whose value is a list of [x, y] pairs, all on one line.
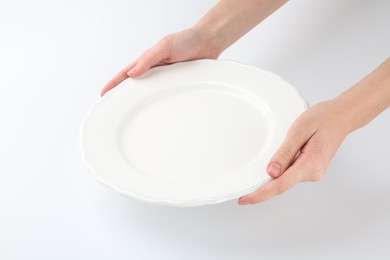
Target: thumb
{"points": [[152, 57], [287, 152]]}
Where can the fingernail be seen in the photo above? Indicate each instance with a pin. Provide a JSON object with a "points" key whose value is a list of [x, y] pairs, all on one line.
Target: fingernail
{"points": [[132, 71], [243, 202], [274, 169]]}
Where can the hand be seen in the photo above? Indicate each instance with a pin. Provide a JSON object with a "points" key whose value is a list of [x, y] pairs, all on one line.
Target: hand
{"points": [[225, 23], [307, 150], [186, 45]]}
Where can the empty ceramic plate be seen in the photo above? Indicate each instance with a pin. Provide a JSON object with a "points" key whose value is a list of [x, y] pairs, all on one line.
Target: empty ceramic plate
{"points": [[191, 133]]}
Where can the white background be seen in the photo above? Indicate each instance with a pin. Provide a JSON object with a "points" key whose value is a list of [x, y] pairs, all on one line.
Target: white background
{"points": [[55, 57]]}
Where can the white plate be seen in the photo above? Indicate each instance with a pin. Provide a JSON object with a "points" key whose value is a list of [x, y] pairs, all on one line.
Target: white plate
{"points": [[191, 133]]}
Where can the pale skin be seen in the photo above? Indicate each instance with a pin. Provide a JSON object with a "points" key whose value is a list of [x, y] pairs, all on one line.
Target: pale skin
{"points": [[315, 136]]}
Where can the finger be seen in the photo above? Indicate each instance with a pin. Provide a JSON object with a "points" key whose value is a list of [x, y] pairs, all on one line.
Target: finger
{"points": [[290, 178], [288, 151], [122, 75], [152, 57]]}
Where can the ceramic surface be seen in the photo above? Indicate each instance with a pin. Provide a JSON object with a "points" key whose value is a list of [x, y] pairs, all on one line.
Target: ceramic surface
{"points": [[191, 133]]}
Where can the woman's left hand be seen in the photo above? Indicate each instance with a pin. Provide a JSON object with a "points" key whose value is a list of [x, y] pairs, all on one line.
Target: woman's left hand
{"points": [[307, 150]]}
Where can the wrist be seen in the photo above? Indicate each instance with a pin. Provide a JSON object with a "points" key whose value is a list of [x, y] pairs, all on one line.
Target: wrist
{"points": [[366, 99], [349, 114], [209, 40]]}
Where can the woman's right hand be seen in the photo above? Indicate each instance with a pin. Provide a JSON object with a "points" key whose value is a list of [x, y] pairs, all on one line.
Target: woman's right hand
{"points": [[185, 45]]}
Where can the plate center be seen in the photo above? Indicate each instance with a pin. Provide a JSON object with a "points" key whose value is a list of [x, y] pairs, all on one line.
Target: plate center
{"points": [[194, 136]]}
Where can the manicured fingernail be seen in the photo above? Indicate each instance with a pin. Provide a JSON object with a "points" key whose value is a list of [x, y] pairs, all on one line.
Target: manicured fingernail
{"points": [[243, 202], [274, 169], [132, 71]]}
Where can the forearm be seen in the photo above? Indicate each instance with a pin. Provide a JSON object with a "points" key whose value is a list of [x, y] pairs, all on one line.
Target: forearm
{"points": [[227, 21], [367, 98]]}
